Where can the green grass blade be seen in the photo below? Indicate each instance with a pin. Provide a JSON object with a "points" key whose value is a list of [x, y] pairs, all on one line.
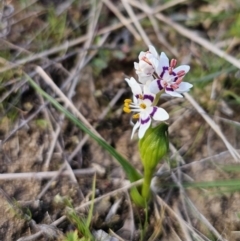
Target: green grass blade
{"points": [[90, 213], [132, 174], [219, 183], [210, 77]]}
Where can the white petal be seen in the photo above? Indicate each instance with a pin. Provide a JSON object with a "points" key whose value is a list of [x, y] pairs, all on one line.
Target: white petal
{"points": [[135, 128], [148, 100], [146, 91], [184, 87], [164, 61], [136, 65], [158, 114], [135, 100], [141, 55], [145, 68], [148, 82], [148, 96], [145, 120], [136, 88], [153, 51], [173, 93], [156, 64], [163, 64], [154, 86], [145, 79], [143, 64], [185, 68], [167, 77]]}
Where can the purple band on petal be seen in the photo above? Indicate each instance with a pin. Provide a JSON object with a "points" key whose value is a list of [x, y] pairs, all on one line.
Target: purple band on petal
{"points": [[160, 87], [149, 97], [169, 89], [164, 69], [137, 96], [153, 111], [145, 121], [176, 77]]}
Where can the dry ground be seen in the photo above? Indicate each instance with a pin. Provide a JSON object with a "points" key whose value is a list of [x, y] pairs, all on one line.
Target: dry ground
{"points": [[87, 48]]}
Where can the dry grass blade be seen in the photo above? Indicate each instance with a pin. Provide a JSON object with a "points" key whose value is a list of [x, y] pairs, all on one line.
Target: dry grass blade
{"points": [[101, 117], [183, 227], [63, 97], [214, 126], [13, 46], [176, 154], [131, 224], [151, 15], [186, 199], [74, 77], [46, 175], [159, 8], [158, 222], [204, 220], [83, 60], [176, 237], [183, 222], [32, 237], [54, 135], [216, 158], [203, 42], [115, 235], [136, 22], [27, 5], [158, 32], [121, 17]]}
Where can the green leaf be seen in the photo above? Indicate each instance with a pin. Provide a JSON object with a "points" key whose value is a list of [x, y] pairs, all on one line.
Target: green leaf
{"points": [[137, 198]]}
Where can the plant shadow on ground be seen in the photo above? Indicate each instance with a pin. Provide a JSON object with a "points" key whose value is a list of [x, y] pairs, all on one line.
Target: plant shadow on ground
{"points": [[207, 172]]}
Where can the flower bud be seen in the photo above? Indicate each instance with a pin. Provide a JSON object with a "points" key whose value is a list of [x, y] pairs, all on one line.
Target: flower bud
{"points": [[154, 146]]}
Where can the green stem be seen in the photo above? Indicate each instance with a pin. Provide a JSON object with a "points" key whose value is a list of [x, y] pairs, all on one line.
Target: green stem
{"points": [[146, 183], [157, 97], [137, 197]]}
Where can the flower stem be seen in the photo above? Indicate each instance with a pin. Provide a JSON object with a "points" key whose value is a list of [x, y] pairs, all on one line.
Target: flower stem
{"points": [[157, 98], [146, 183]]}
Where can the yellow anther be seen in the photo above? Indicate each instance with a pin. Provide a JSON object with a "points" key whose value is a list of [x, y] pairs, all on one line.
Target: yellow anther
{"points": [[126, 105], [143, 106], [127, 101], [126, 109], [136, 116]]}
